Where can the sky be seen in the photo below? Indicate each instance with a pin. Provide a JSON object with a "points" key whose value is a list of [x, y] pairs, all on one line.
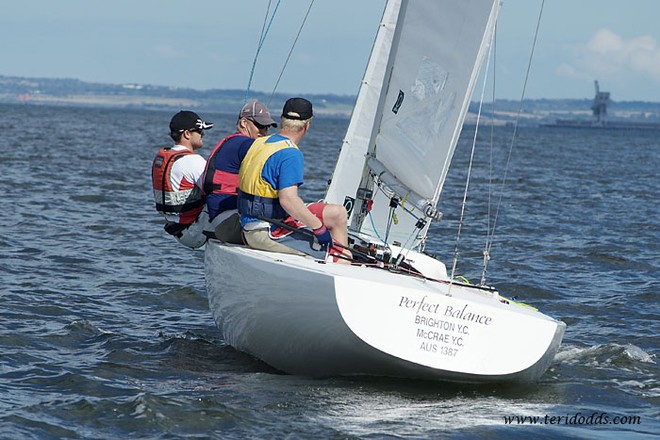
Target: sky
{"points": [[211, 44]]}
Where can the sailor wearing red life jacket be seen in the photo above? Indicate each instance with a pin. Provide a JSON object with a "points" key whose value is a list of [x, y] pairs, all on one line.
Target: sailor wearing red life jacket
{"points": [[177, 176], [221, 175]]}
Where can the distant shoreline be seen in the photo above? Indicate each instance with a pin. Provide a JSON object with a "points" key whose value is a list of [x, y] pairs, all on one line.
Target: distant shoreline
{"points": [[72, 92]]}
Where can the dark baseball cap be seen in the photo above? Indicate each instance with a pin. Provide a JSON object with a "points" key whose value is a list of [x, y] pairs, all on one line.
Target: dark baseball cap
{"points": [[257, 112], [297, 108], [187, 120]]}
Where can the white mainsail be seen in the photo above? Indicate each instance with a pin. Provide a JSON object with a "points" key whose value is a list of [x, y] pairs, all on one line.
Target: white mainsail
{"points": [[410, 110]]}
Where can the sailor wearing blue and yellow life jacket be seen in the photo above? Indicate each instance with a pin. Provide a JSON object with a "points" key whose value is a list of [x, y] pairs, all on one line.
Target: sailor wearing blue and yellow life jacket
{"points": [[269, 178], [222, 166], [176, 175]]}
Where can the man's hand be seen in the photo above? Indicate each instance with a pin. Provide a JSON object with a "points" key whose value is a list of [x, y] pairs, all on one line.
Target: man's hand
{"points": [[323, 236]]}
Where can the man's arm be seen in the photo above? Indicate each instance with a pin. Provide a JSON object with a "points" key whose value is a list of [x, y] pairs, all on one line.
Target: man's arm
{"points": [[295, 207]]}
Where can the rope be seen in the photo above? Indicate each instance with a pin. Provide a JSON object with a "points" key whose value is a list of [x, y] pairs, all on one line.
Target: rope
{"points": [[286, 62], [373, 226], [489, 241], [262, 39]]}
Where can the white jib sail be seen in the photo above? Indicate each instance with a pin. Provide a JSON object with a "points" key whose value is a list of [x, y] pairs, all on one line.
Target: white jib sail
{"points": [[410, 110]]}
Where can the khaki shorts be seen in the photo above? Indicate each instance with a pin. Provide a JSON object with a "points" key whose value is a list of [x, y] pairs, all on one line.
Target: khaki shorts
{"points": [[260, 239]]}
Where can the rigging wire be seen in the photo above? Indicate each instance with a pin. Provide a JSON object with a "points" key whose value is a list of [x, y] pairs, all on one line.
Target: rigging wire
{"points": [[264, 32], [415, 231], [286, 62], [469, 172], [489, 230], [489, 242], [263, 28]]}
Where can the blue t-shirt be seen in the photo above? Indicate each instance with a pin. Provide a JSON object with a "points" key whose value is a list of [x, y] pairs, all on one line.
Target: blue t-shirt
{"points": [[283, 169], [228, 159]]}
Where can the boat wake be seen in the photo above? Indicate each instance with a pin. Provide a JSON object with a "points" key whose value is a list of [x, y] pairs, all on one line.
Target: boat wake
{"points": [[626, 367], [604, 355]]}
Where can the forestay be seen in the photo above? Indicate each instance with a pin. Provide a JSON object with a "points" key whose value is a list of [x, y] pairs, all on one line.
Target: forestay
{"points": [[409, 113]]}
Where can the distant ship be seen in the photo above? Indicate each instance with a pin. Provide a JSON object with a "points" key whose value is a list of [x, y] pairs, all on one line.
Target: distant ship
{"points": [[599, 120]]}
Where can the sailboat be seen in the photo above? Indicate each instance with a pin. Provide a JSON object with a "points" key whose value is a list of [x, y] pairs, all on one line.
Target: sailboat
{"points": [[396, 312]]}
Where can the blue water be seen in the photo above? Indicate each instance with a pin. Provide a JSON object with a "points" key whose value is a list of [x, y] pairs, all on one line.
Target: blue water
{"points": [[105, 330]]}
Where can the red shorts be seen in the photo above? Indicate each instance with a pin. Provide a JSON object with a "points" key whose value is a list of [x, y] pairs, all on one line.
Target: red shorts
{"points": [[315, 208]]}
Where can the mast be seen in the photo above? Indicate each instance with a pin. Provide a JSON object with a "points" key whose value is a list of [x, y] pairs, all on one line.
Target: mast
{"points": [[365, 191]]}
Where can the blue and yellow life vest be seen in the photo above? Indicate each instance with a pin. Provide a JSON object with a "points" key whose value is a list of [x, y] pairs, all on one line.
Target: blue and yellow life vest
{"points": [[257, 197]]}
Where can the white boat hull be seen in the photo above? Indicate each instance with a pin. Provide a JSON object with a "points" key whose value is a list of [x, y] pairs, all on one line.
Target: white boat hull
{"points": [[309, 318]]}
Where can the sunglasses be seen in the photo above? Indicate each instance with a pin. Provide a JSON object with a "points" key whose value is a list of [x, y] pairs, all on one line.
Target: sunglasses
{"points": [[258, 125], [194, 130]]}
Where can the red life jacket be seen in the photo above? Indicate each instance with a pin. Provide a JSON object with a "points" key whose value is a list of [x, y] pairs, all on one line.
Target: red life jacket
{"points": [[219, 181], [187, 203]]}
